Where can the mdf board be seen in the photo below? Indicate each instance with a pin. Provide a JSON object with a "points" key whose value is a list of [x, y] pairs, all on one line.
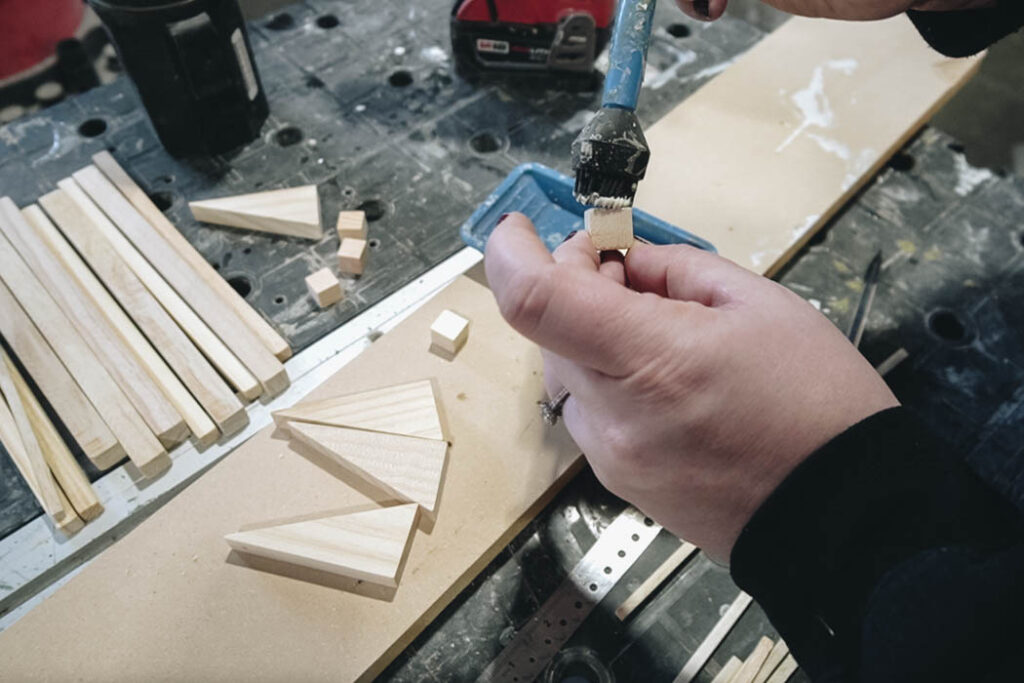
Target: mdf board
{"points": [[183, 606], [762, 156], [141, 446], [119, 360], [274, 342], [89, 235], [68, 400], [199, 423], [214, 312]]}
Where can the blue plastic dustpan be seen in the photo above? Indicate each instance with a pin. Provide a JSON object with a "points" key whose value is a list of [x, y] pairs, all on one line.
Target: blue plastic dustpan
{"points": [[546, 196]]}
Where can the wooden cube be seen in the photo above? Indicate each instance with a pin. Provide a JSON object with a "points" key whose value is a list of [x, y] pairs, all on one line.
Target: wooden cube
{"points": [[449, 332], [610, 228], [352, 224], [324, 287], [352, 256]]}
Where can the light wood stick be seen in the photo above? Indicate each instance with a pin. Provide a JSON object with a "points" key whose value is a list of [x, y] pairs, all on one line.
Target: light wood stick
{"points": [[62, 463], [12, 443], [119, 360], [775, 657], [725, 675], [707, 648], [214, 396], [785, 670], [139, 443], [68, 400], [753, 663], [652, 582], [69, 204], [273, 341], [14, 410], [219, 316]]}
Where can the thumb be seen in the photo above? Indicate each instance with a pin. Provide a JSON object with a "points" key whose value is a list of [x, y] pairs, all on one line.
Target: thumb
{"points": [[685, 273]]}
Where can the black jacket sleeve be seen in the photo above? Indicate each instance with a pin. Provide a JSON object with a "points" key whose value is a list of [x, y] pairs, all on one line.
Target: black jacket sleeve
{"points": [[882, 557], [967, 32]]}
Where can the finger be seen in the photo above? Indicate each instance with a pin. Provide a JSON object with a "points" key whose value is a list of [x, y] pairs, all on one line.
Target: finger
{"points": [[562, 373], [578, 250], [685, 273], [703, 10], [613, 266], [576, 313]]}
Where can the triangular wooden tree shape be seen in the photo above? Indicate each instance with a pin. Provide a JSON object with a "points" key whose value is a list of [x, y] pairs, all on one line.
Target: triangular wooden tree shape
{"points": [[294, 211], [369, 546], [407, 467], [408, 409]]}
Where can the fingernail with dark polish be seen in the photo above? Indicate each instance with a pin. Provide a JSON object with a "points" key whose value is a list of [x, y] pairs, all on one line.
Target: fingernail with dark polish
{"points": [[569, 236], [502, 219], [702, 8]]}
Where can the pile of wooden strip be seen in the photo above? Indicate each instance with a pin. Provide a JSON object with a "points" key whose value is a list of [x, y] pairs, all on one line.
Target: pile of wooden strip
{"points": [[131, 337]]}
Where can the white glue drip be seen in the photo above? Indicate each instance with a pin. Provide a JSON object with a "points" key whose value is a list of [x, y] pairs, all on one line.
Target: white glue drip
{"points": [[813, 104]]}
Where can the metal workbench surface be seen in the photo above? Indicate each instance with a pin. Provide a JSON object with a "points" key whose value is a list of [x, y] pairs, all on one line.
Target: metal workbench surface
{"points": [[420, 156]]}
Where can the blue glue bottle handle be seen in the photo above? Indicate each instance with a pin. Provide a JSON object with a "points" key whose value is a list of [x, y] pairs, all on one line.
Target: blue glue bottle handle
{"points": [[628, 56]]}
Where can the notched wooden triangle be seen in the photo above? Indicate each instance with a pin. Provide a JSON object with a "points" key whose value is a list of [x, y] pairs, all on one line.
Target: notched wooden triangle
{"points": [[369, 546], [409, 468], [294, 211], [407, 409]]}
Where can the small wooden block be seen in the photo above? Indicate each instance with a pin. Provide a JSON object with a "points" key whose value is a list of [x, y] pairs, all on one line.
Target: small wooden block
{"points": [[610, 228], [324, 287], [407, 467], [409, 409], [352, 255], [352, 224], [368, 546], [449, 332], [294, 211]]}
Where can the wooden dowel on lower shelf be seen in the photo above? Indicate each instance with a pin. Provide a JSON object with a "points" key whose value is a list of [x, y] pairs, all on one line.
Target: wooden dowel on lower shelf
{"points": [[19, 427], [718, 633], [754, 661], [71, 523], [779, 652], [673, 562], [58, 456]]}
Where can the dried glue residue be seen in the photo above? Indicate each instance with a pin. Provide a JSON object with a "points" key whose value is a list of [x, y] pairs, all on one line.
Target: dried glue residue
{"points": [[656, 79], [813, 103], [968, 177]]}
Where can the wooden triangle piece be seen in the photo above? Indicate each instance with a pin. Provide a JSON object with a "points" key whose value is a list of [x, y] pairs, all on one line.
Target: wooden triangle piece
{"points": [[294, 211], [408, 409], [369, 546], [407, 467]]}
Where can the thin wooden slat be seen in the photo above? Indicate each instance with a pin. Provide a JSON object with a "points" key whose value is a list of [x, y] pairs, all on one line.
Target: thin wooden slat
{"points": [[711, 642], [785, 670], [753, 663], [651, 583], [410, 409], [763, 155], [219, 316], [11, 440], [14, 411], [68, 400], [66, 470], [273, 341], [371, 545], [775, 657], [213, 395], [120, 361], [60, 205], [142, 447], [727, 672]]}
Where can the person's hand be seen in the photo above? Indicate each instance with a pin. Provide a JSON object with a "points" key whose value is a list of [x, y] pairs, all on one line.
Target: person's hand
{"points": [[696, 389], [836, 9]]}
